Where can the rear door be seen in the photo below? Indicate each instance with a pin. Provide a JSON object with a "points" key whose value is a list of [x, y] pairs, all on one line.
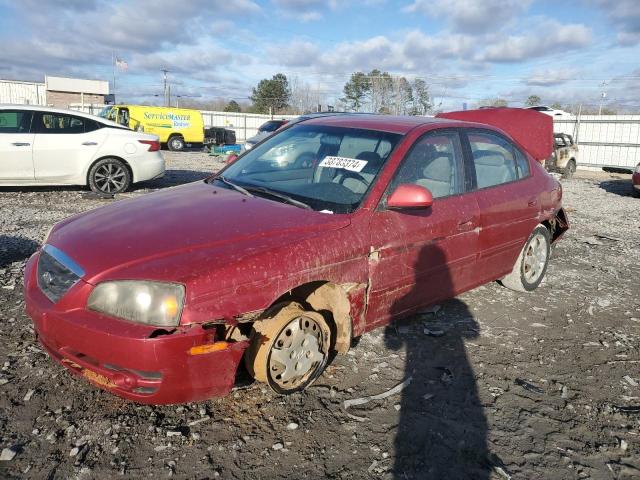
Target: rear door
{"points": [[16, 145], [507, 197], [64, 146]]}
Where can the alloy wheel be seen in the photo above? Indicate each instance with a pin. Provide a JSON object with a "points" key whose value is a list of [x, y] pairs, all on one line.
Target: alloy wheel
{"points": [[110, 178]]}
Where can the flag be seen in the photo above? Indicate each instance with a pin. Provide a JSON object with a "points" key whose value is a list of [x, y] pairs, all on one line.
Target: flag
{"points": [[121, 64]]}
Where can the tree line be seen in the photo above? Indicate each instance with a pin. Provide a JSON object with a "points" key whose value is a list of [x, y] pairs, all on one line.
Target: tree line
{"points": [[374, 92]]}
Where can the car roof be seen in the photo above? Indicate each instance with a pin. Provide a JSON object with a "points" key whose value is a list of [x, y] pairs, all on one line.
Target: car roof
{"points": [[43, 108], [384, 123]]}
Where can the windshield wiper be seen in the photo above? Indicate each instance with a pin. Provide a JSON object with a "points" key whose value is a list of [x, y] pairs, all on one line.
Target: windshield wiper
{"points": [[281, 196], [238, 188]]}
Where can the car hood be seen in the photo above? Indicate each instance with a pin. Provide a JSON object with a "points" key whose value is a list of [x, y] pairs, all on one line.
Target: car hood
{"points": [[196, 220]]}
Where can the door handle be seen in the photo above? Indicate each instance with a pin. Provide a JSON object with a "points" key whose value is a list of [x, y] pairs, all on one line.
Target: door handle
{"points": [[89, 143], [532, 202], [465, 226], [20, 144]]}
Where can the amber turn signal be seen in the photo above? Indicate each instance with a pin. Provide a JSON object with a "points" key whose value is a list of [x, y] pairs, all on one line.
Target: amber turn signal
{"points": [[208, 348]]}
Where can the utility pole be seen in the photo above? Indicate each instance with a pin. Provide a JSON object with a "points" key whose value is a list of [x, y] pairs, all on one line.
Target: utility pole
{"points": [[165, 71], [602, 95]]}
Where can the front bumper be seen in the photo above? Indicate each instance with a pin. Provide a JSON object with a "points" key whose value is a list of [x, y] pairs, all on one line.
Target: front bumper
{"points": [[123, 358]]}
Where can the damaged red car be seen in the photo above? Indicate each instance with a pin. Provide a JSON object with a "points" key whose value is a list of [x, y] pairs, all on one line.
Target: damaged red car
{"points": [[320, 233]]}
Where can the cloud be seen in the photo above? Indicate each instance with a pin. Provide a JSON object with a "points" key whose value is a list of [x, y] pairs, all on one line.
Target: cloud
{"points": [[305, 10], [415, 51], [79, 37], [550, 77], [295, 54], [471, 16], [549, 37], [625, 15]]}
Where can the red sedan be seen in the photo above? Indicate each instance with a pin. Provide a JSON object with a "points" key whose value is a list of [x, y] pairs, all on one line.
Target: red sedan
{"points": [[635, 181], [278, 263]]}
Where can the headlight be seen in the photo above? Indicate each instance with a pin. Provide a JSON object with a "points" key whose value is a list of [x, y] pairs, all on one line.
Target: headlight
{"points": [[638, 168], [151, 303]]}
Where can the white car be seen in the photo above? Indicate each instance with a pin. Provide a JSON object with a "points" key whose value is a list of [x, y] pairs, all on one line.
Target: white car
{"points": [[51, 146], [554, 112]]}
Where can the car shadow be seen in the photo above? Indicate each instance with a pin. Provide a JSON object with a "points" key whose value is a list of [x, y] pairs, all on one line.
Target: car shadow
{"points": [[442, 428], [172, 178], [15, 248], [622, 187]]}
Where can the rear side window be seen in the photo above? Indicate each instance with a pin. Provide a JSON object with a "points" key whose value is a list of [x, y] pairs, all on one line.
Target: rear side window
{"points": [[91, 125], [15, 121], [59, 123], [493, 159], [434, 162]]}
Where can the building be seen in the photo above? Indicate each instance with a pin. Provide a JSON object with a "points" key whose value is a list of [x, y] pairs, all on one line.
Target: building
{"points": [[55, 91]]}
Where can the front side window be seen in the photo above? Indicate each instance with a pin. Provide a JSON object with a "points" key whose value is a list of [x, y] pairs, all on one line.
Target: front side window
{"points": [[434, 162], [59, 123], [326, 168], [15, 121], [493, 159]]}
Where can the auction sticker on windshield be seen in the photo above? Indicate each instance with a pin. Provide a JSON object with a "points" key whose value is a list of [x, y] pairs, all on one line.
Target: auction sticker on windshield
{"points": [[345, 163]]}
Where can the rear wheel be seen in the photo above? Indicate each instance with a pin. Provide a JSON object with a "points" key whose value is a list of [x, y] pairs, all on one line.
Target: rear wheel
{"points": [[290, 350], [176, 143], [570, 169], [531, 265], [109, 176]]}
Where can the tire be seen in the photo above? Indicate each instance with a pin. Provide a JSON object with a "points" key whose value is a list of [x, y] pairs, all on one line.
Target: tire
{"points": [[531, 265], [176, 143], [290, 350], [109, 176], [570, 169]]}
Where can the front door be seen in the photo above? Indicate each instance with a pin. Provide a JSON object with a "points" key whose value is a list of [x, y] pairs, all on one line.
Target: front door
{"points": [[16, 145], [422, 256]]}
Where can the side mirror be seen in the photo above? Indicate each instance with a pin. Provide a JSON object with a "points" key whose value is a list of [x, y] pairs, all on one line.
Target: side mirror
{"points": [[231, 158], [408, 195]]}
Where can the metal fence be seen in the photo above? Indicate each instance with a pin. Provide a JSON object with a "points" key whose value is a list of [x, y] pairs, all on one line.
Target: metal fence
{"points": [[604, 140], [244, 124]]}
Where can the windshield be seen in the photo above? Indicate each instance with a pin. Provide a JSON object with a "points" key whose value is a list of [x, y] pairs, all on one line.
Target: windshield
{"points": [[327, 168], [104, 113]]}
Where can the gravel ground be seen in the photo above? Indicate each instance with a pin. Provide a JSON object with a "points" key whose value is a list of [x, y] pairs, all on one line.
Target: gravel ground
{"points": [[497, 384]]}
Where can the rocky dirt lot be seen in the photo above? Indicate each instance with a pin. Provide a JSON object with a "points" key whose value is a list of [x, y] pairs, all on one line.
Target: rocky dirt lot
{"points": [[496, 384]]}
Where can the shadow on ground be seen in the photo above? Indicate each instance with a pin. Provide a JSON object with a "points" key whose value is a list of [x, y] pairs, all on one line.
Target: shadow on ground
{"points": [[15, 249], [622, 187], [172, 178], [442, 428]]}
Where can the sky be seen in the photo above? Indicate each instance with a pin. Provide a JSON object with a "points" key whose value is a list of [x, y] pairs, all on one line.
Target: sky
{"points": [[466, 50]]}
